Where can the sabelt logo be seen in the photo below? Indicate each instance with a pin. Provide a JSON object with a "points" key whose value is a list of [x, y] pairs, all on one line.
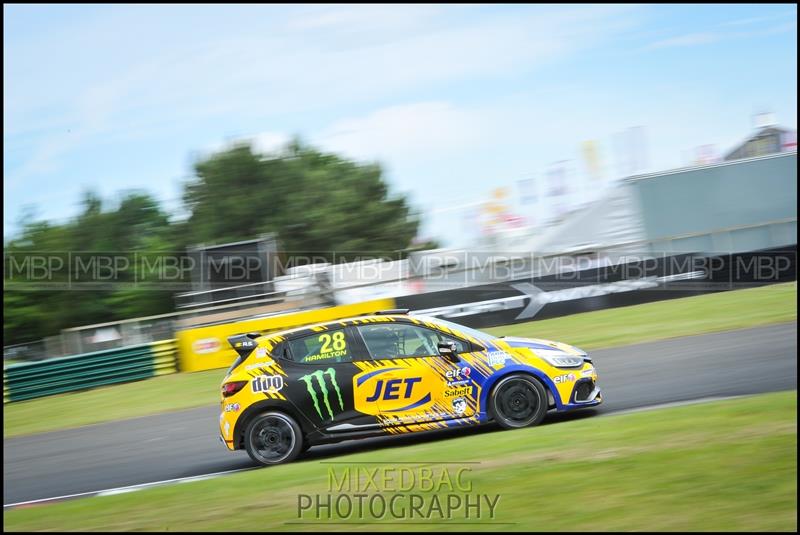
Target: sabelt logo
{"points": [[458, 392], [206, 345], [318, 380]]}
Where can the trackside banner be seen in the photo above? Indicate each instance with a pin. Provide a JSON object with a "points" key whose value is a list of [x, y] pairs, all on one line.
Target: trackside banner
{"points": [[206, 348]]}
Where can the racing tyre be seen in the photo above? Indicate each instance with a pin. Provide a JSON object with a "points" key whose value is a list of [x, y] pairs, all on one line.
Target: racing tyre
{"points": [[273, 438], [518, 401]]}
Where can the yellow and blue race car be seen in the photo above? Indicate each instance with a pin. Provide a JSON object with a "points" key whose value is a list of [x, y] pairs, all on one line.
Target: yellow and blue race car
{"points": [[390, 372]]}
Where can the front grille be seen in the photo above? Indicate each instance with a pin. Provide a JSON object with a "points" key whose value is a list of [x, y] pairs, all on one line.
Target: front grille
{"points": [[583, 390]]}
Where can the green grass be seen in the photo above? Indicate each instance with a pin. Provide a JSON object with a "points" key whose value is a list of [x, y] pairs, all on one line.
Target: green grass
{"points": [[665, 319], [727, 465], [150, 396], [604, 328]]}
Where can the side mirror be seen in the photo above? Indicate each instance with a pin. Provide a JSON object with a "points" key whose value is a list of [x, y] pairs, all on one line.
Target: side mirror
{"points": [[448, 350]]}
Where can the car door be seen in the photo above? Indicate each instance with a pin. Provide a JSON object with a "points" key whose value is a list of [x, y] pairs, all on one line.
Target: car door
{"points": [[408, 380], [320, 368]]}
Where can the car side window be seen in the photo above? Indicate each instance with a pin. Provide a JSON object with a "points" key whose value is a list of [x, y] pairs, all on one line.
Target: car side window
{"points": [[323, 348], [400, 340]]}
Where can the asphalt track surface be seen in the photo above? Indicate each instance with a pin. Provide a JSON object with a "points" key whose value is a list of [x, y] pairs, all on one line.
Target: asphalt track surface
{"points": [[185, 443]]}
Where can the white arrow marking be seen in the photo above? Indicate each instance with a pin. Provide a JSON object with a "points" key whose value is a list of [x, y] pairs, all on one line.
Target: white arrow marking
{"points": [[534, 303]]}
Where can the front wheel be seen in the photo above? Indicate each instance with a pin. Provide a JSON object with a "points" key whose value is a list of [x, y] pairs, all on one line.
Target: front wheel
{"points": [[518, 401], [273, 438]]}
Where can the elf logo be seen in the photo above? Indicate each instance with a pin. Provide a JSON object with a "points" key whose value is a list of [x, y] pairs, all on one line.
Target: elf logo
{"points": [[457, 377], [564, 378]]}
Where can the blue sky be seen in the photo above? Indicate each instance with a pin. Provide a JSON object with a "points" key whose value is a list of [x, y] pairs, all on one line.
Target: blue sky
{"points": [[453, 100]]}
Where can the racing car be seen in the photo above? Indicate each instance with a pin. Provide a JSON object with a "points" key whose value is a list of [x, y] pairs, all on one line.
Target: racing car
{"points": [[390, 372]]}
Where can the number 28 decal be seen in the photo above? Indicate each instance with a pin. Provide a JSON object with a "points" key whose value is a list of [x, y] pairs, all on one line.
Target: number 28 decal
{"points": [[332, 343]]}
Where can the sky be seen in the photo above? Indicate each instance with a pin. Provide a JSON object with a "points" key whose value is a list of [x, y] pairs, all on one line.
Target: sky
{"points": [[453, 101]]}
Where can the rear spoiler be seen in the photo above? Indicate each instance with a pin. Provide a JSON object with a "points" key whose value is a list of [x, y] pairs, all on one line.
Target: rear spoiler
{"points": [[244, 344]]}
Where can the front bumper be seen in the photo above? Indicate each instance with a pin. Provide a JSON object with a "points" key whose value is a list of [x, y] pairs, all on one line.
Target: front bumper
{"points": [[585, 393]]}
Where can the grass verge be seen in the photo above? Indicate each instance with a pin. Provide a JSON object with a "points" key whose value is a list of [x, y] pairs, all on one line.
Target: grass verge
{"points": [[603, 328], [727, 465], [666, 319], [140, 398]]}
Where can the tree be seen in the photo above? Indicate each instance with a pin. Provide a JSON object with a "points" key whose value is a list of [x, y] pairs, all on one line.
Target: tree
{"points": [[314, 202], [133, 230]]}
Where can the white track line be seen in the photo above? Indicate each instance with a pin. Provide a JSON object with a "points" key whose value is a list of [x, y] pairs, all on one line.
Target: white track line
{"points": [[130, 488], [134, 488]]}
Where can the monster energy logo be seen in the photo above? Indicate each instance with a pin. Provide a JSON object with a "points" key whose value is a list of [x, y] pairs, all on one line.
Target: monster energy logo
{"points": [[319, 375]]}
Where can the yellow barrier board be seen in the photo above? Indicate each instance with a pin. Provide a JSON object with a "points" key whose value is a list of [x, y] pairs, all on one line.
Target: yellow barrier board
{"points": [[206, 348]]}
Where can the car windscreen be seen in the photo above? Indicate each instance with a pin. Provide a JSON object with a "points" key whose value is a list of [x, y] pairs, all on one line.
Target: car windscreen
{"points": [[480, 335]]}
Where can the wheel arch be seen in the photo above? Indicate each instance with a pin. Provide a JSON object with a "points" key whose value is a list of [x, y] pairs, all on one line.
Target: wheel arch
{"points": [[261, 407]]}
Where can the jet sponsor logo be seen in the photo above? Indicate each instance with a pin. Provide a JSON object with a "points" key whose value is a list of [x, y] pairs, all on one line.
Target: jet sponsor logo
{"points": [[376, 393], [394, 389]]}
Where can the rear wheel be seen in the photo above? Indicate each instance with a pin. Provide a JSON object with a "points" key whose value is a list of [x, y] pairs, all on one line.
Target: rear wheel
{"points": [[518, 401], [273, 438]]}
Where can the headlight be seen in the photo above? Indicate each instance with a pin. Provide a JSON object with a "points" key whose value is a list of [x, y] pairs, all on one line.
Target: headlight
{"points": [[559, 359]]}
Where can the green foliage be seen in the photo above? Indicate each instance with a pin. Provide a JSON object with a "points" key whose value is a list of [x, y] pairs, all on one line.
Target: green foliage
{"points": [[313, 202], [34, 310]]}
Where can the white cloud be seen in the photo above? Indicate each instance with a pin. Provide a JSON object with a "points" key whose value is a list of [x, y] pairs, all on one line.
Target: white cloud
{"points": [[270, 142], [416, 131]]}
